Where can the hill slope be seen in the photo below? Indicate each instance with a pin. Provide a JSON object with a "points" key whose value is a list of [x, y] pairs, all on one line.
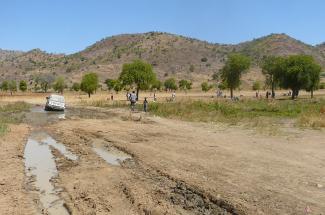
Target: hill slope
{"points": [[171, 56]]}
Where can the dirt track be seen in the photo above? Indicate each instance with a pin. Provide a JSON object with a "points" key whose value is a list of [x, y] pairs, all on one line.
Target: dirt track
{"points": [[177, 162], [13, 195], [177, 167]]}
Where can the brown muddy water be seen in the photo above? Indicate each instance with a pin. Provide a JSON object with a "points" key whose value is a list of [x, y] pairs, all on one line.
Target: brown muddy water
{"points": [[40, 163], [111, 155]]}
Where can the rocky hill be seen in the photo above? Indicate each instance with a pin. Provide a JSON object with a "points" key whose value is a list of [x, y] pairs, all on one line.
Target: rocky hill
{"points": [[171, 56]]}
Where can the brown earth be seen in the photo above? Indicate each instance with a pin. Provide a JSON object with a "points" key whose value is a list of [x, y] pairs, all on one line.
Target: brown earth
{"points": [[176, 167], [13, 196], [190, 168]]}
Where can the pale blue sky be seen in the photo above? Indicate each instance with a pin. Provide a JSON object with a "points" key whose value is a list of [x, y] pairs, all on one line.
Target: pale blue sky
{"points": [[67, 26]]}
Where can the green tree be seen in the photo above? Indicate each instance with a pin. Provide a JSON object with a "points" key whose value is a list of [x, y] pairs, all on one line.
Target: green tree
{"points": [[314, 78], [256, 85], [138, 73], [5, 86], [156, 85], [272, 68], [118, 86], [75, 86], [182, 84], [12, 86], [233, 69], [300, 72], [170, 84], [206, 87], [23, 85], [222, 85], [110, 83], [89, 83], [59, 85], [45, 80]]}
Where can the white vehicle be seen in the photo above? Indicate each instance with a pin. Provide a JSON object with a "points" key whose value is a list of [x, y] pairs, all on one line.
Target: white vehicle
{"points": [[55, 103]]}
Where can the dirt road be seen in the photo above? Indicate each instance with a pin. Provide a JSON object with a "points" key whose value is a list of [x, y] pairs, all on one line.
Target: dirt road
{"points": [[190, 168], [167, 166], [14, 198]]}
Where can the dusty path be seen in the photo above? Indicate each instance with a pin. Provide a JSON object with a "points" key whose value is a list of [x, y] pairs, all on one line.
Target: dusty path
{"points": [[183, 168], [14, 199]]}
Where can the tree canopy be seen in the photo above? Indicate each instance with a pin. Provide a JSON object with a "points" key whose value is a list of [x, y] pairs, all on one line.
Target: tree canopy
{"points": [[89, 83], [23, 85], [233, 69], [59, 84], [138, 73], [170, 84]]}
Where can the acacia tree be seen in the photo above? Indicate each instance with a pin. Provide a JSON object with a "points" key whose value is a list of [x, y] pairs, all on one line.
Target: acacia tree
{"points": [[5, 86], [233, 69], [12, 86], [170, 84], [300, 72], [138, 73], [23, 85], [185, 85], [314, 78], [272, 68], [206, 87], [89, 83], [110, 83], [59, 85]]}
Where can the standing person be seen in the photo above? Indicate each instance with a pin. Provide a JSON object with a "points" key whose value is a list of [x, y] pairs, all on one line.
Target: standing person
{"points": [[112, 97], [173, 95], [267, 95], [256, 94], [145, 105], [133, 100], [154, 97]]}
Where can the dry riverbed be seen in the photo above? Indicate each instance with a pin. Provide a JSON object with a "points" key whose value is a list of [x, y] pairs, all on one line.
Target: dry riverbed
{"points": [[138, 164]]}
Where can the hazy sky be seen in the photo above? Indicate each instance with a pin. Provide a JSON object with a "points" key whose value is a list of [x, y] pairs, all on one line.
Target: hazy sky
{"points": [[67, 26]]}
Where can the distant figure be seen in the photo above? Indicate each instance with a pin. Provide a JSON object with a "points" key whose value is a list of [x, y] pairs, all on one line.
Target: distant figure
{"points": [[154, 97], [112, 97], [267, 95], [173, 96], [133, 100], [145, 105], [256, 94]]}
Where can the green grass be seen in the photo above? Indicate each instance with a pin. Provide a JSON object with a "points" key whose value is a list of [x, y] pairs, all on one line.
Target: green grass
{"points": [[235, 112], [259, 113], [11, 113]]}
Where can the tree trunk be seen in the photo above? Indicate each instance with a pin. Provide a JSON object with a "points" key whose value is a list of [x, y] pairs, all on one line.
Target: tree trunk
{"points": [[273, 93], [88, 95], [138, 93], [231, 92], [312, 93]]}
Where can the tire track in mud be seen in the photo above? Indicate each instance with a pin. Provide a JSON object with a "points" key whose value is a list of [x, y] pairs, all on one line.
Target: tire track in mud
{"points": [[176, 192]]}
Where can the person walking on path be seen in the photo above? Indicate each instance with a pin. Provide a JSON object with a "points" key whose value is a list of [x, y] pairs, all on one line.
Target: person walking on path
{"points": [[133, 100], [145, 105]]}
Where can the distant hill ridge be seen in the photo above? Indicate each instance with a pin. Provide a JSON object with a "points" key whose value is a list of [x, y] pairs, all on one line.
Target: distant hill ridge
{"points": [[171, 56]]}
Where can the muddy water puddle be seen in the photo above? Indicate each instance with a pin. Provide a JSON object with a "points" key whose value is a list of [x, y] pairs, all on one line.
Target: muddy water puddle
{"points": [[111, 155], [41, 169]]}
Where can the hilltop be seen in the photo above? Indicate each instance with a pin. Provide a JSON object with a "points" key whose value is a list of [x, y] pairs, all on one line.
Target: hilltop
{"points": [[171, 56]]}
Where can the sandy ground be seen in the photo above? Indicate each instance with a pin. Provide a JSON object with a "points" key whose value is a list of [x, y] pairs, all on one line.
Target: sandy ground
{"points": [[182, 168], [13, 195]]}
